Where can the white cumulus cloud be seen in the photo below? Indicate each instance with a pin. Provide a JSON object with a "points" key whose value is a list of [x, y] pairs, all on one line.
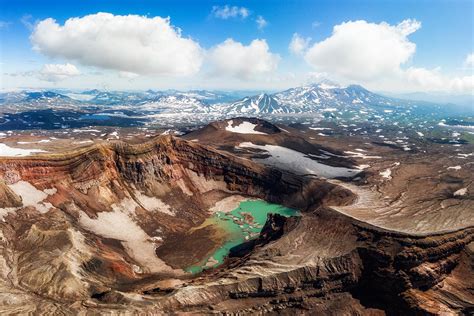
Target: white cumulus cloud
{"points": [[226, 12], [131, 43], [469, 62], [261, 22], [232, 58], [298, 44], [58, 72], [360, 50], [376, 55], [433, 80]]}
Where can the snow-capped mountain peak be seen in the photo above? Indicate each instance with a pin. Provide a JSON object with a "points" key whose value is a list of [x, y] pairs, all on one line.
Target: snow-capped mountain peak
{"points": [[311, 98], [262, 103]]}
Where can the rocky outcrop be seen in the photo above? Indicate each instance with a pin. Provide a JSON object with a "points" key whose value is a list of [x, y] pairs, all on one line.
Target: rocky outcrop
{"points": [[8, 198], [397, 267], [385, 272]]}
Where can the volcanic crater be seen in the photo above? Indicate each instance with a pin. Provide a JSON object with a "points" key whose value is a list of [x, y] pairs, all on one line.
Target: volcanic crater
{"points": [[114, 226]]}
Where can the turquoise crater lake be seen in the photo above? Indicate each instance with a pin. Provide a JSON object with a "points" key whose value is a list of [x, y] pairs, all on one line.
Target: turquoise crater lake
{"points": [[241, 224]]}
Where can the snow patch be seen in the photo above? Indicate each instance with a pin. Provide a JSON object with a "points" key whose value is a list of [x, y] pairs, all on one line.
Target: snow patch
{"points": [[319, 128], [8, 151], [30, 196], [460, 192], [354, 154], [115, 134], [464, 156], [297, 162], [243, 128], [386, 174], [38, 142], [119, 224], [152, 203], [85, 131], [78, 254]]}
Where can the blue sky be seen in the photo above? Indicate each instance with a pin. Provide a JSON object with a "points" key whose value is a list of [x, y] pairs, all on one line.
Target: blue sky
{"points": [[441, 31]]}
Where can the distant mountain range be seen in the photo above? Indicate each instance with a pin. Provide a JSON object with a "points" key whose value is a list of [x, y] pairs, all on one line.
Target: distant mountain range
{"points": [[323, 98], [312, 98]]}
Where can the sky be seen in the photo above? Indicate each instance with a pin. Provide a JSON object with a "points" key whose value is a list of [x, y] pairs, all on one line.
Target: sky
{"points": [[383, 45]]}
